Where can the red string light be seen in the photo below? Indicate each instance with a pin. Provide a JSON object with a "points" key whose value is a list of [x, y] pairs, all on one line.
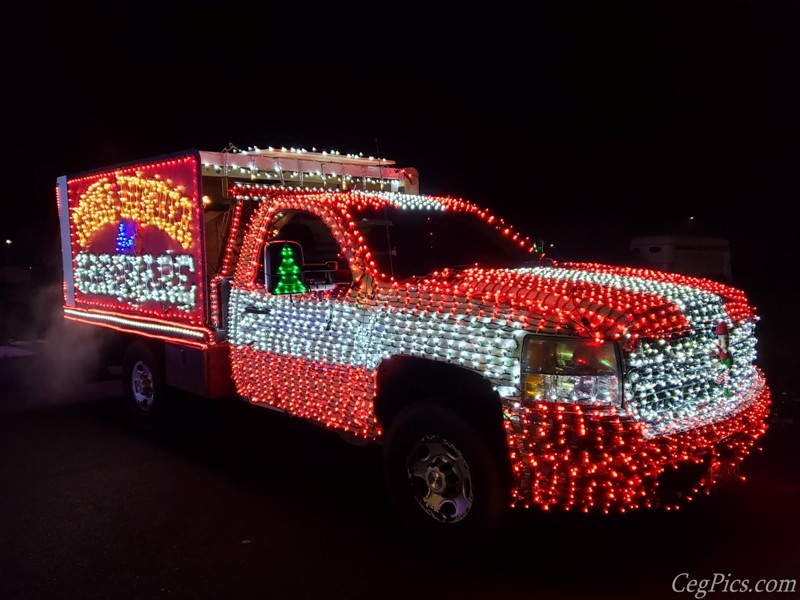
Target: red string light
{"points": [[579, 459], [562, 455]]}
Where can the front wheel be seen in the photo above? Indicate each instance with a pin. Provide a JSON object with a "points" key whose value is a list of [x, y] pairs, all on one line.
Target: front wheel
{"points": [[444, 481]]}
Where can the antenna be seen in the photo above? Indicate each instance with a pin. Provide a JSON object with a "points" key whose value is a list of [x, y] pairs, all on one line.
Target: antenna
{"points": [[385, 215], [380, 166]]}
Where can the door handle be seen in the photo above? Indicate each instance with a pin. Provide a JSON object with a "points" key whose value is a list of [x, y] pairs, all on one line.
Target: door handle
{"points": [[252, 310]]}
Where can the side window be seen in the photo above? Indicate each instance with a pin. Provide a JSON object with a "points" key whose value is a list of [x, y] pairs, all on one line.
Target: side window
{"points": [[302, 255]]}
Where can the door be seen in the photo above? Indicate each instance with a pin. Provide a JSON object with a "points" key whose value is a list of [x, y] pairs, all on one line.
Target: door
{"points": [[300, 338]]}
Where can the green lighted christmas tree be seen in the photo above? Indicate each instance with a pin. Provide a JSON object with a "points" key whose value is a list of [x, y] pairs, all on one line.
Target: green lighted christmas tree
{"points": [[289, 282]]}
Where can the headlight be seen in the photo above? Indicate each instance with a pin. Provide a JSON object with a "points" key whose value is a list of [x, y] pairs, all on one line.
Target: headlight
{"points": [[572, 370]]}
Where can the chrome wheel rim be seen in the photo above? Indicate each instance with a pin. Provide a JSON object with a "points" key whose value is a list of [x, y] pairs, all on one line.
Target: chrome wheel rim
{"points": [[440, 479], [142, 385]]}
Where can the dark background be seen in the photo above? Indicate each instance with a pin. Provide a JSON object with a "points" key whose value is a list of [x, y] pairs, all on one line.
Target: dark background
{"points": [[586, 123]]}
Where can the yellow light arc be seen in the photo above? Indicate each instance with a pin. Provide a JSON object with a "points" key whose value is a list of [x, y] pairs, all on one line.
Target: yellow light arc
{"points": [[144, 200]]}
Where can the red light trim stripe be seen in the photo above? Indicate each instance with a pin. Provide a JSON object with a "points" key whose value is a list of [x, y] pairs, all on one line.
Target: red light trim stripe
{"points": [[197, 337]]}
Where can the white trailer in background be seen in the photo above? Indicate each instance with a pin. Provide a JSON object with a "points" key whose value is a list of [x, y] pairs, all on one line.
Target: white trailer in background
{"points": [[698, 256]]}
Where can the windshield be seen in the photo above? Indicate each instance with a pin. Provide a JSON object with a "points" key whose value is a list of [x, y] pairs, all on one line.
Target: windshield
{"points": [[405, 243]]}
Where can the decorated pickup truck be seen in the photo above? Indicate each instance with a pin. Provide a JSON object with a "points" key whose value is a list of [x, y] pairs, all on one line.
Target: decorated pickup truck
{"points": [[325, 286]]}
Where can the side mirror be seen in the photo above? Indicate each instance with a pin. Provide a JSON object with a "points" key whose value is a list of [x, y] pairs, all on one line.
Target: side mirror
{"points": [[283, 264]]}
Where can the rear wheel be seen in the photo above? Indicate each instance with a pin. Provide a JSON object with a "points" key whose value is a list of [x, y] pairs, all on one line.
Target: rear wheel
{"points": [[443, 478], [143, 386]]}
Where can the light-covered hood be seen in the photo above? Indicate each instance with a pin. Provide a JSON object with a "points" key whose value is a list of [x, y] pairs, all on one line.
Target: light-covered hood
{"points": [[586, 299]]}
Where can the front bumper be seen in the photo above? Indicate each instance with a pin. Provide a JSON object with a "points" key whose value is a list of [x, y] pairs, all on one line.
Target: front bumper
{"points": [[574, 458]]}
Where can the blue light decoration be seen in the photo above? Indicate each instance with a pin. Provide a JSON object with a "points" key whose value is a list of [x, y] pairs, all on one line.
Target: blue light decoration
{"points": [[125, 236]]}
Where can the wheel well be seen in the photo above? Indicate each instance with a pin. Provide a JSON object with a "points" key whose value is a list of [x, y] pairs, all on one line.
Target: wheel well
{"points": [[117, 346], [156, 348], [406, 380]]}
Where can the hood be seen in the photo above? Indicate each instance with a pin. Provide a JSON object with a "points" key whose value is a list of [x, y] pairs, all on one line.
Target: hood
{"points": [[594, 300]]}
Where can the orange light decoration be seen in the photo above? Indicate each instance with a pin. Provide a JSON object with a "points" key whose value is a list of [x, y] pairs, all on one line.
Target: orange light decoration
{"points": [[143, 200]]}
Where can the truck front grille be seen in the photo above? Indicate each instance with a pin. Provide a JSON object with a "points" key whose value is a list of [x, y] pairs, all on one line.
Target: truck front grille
{"points": [[680, 384]]}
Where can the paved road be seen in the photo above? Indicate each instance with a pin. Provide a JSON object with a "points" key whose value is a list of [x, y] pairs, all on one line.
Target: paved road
{"points": [[238, 502]]}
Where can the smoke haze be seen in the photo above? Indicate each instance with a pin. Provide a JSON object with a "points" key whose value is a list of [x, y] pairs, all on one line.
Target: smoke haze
{"points": [[46, 360]]}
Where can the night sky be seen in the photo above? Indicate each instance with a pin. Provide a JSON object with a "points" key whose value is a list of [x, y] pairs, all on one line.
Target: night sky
{"points": [[585, 123]]}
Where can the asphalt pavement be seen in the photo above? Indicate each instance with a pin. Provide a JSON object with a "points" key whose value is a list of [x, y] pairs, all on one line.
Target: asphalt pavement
{"points": [[239, 502]]}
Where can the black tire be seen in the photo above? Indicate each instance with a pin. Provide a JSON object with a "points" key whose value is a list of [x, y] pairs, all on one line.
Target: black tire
{"points": [[143, 386], [443, 479]]}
